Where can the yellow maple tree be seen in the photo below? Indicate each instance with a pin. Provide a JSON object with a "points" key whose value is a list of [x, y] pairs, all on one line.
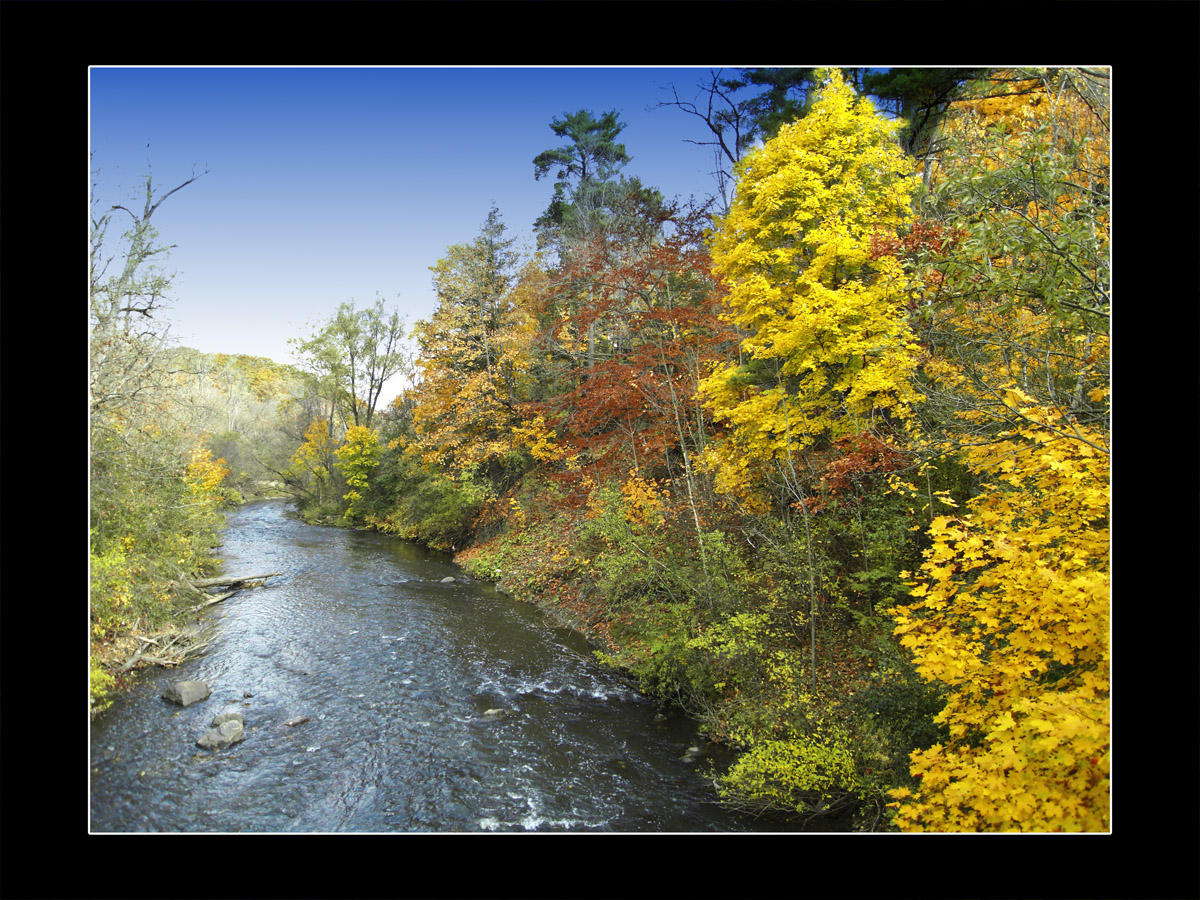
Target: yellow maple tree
{"points": [[358, 458], [828, 350], [1011, 614]]}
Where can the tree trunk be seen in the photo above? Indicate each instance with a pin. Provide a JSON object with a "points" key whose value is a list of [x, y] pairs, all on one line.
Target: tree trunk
{"points": [[229, 580]]}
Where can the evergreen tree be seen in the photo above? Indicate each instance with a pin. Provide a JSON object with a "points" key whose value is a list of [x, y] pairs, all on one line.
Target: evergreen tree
{"points": [[588, 191], [470, 356]]}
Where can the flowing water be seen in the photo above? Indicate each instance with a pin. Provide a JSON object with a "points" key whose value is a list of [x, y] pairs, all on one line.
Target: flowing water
{"points": [[396, 672]]}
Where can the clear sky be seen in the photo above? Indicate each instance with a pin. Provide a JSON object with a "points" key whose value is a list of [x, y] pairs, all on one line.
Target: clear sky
{"points": [[332, 184]]}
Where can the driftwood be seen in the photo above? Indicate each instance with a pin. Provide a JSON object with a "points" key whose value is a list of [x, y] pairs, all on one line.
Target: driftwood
{"points": [[169, 653], [237, 582], [230, 580], [217, 599], [170, 649]]}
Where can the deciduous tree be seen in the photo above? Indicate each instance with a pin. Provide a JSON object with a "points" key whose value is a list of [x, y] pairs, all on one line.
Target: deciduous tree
{"points": [[1011, 614], [154, 488], [353, 355], [473, 356], [1022, 294], [1010, 609], [828, 350], [358, 458]]}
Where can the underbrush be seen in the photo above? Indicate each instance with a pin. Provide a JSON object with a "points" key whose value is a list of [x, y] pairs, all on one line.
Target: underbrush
{"points": [[147, 542]]}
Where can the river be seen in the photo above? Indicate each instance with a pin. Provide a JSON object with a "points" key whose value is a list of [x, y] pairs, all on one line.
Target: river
{"points": [[395, 671]]}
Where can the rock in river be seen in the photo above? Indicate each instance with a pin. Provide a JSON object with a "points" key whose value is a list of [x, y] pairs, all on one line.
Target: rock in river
{"points": [[228, 732], [231, 716], [185, 693], [449, 579]]}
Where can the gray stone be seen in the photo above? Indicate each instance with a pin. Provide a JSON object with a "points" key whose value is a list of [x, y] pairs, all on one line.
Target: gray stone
{"points": [[185, 693], [449, 579], [299, 720], [225, 734], [231, 716], [494, 713]]}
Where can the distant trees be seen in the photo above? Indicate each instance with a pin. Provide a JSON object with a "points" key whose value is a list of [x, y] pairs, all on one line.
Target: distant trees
{"points": [[245, 405], [348, 360], [352, 356]]}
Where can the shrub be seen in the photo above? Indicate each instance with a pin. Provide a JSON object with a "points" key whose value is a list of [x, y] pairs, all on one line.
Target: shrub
{"points": [[799, 774], [102, 685], [441, 510]]}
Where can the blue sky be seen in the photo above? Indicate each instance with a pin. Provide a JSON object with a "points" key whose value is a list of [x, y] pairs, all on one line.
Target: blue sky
{"points": [[330, 184]]}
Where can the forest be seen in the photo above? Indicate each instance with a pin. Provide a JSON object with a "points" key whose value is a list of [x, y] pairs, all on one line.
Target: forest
{"points": [[821, 459]]}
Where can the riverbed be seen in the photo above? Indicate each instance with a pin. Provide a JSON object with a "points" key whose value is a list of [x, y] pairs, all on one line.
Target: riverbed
{"points": [[431, 706]]}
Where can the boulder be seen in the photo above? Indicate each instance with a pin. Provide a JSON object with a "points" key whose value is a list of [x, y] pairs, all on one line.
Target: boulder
{"points": [[185, 693], [298, 720], [222, 718], [449, 579], [494, 713], [228, 732]]}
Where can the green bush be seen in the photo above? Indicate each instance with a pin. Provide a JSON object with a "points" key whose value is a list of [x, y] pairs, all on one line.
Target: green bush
{"points": [[797, 774], [441, 510]]}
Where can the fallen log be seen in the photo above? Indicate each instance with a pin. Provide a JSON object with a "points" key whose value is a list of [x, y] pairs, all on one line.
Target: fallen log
{"points": [[133, 660], [170, 652], [141, 656], [217, 599], [229, 580], [159, 661]]}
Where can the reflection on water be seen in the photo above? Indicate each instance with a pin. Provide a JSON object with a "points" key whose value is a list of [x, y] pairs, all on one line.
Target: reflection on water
{"points": [[401, 678]]}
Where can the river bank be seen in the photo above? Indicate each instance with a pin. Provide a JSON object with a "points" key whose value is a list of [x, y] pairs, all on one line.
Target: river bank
{"points": [[123, 648]]}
